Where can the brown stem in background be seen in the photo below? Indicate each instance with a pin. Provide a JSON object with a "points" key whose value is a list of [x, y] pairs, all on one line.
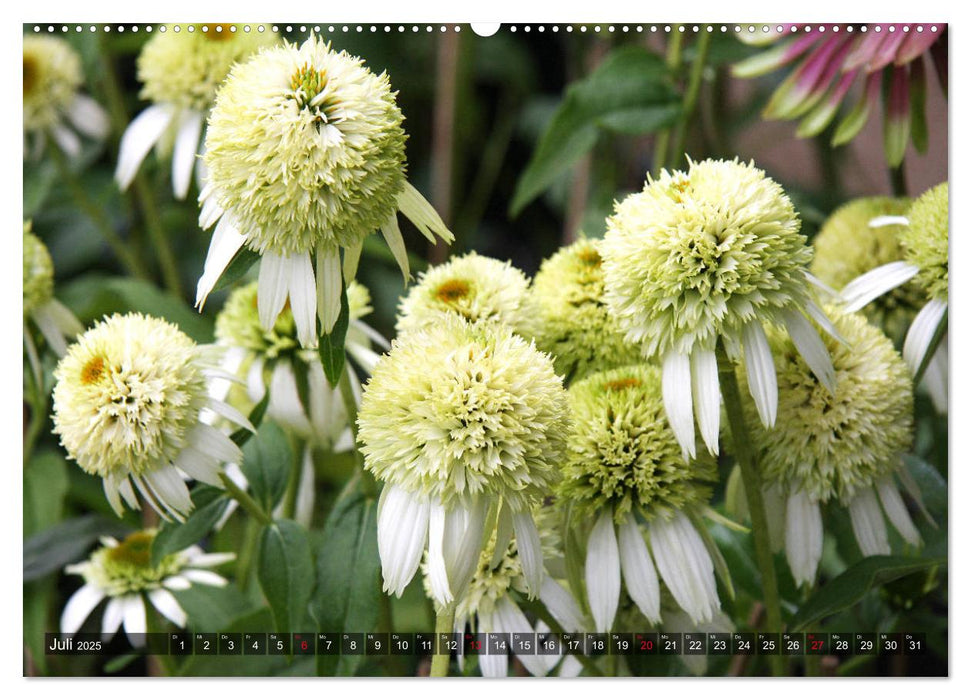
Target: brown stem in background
{"points": [[443, 136]]}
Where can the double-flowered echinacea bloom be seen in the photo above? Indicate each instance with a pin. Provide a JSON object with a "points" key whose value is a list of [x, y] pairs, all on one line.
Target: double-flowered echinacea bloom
{"points": [[625, 473], [460, 420], [306, 157], [712, 255], [180, 71], [54, 107], [122, 572], [127, 406], [843, 446]]}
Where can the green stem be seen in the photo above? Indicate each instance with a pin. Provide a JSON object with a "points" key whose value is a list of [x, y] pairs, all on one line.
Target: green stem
{"points": [[444, 624], [245, 501], [673, 61], [898, 181], [691, 95], [752, 481], [293, 482], [939, 334], [369, 486], [160, 240], [38, 416], [131, 264], [247, 554]]}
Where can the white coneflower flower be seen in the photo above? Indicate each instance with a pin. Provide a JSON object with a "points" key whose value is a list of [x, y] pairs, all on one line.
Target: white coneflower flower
{"points": [[459, 418], [54, 320], [843, 445], [122, 572], [625, 473], [180, 73], [127, 406], [489, 605], [306, 156], [53, 106], [574, 324], [924, 238], [474, 286], [713, 254]]}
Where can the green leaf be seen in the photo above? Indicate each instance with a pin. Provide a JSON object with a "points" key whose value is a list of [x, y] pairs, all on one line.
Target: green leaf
{"points": [[286, 573], [214, 608], [848, 588], [237, 267], [210, 504], [630, 92], [45, 485], [64, 543], [267, 461], [242, 435], [348, 596], [331, 345]]}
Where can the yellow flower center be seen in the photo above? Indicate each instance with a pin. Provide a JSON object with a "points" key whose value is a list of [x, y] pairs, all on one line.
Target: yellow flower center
{"points": [[218, 32], [31, 74], [136, 550], [93, 370], [307, 83], [590, 257], [451, 291], [621, 384]]}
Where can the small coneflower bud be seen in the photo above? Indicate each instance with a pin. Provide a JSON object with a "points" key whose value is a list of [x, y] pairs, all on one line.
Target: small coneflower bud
{"points": [[574, 324], [456, 418], [925, 240], [474, 286], [843, 445], [625, 473], [126, 407], [707, 256], [55, 322]]}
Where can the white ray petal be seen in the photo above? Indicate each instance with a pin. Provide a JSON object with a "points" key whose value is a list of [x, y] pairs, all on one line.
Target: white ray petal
{"points": [[210, 559], [921, 333], [304, 510], [365, 357], [375, 337], [681, 569], [285, 406], [561, 605], [402, 533], [171, 490], [602, 572], [804, 537], [896, 510], [255, 388], [701, 567], [214, 442], [761, 372], [230, 413], [128, 493], [462, 565], [820, 317], [888, 220], [141, 135], [868, 524], [165, 603], [707, 396], [89, 117], [210, 211], [437, 574], [226, 242], [821, 286], [676, 392], [392, 235], [200, 466], [530, 552], [177, 583], [811, 347], [110, 485], [273, 287], [303, 298], [876, 282], [133, 609], [184, 153], [206, 578], [113, 615], [509, 619], [328, 286], [491, 665], [640, 577], [67, 140], [935, 378], [80, 605], [503, 535], [422, 214], [352, 256]]}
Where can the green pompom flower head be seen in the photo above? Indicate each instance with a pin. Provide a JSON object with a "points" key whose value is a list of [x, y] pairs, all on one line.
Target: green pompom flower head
{"points": [[474, 287], [925, 240], [575, 326], [38, 272]]}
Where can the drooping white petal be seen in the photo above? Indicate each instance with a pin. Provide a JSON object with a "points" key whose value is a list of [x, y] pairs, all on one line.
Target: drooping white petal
{"points": [[88, 117], [171, 490], [230, 413], [602, 572], [707, 396], [422, 214], [530, 552], [888, 220], [392, 235], [676, 392], [226, 242], [133, 609], [761, 372], [143, 133], [255, 388], [113, 615], [328, 286], [437, 574], [303, 298], [402, 533], [375, 337], [128, 493], [509, 618], [67, 140], [56, 323], [561, 605], [210, 210], [210, 559], [921, 333], [165, 603], [285, 406], [184, 153], [821, 286], [198, 465], [685, 566], [365, 357], [206, 578], [352, 256], [110, 485], [304, 508], [79, 606], [804, 537], [896, 510], [214, 442], [503, 535], [461, 564], [640, 577], [811, 347], [868, 524], [271, 294], [824, 322], [935, 377], [876, 282], [177, 583], [571, 667], [491, 665]]}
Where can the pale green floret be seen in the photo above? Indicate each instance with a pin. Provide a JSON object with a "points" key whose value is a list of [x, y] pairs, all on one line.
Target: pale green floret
{"points": [[38, 272], [456, 410], [623, 453], [305, 147], [52, 76], [126, 567], [847, 246], [574, 324], [185, 68], [474, 286], [833, 444], [127, 393], [697, 255], [926, 240], [238, 324]]}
